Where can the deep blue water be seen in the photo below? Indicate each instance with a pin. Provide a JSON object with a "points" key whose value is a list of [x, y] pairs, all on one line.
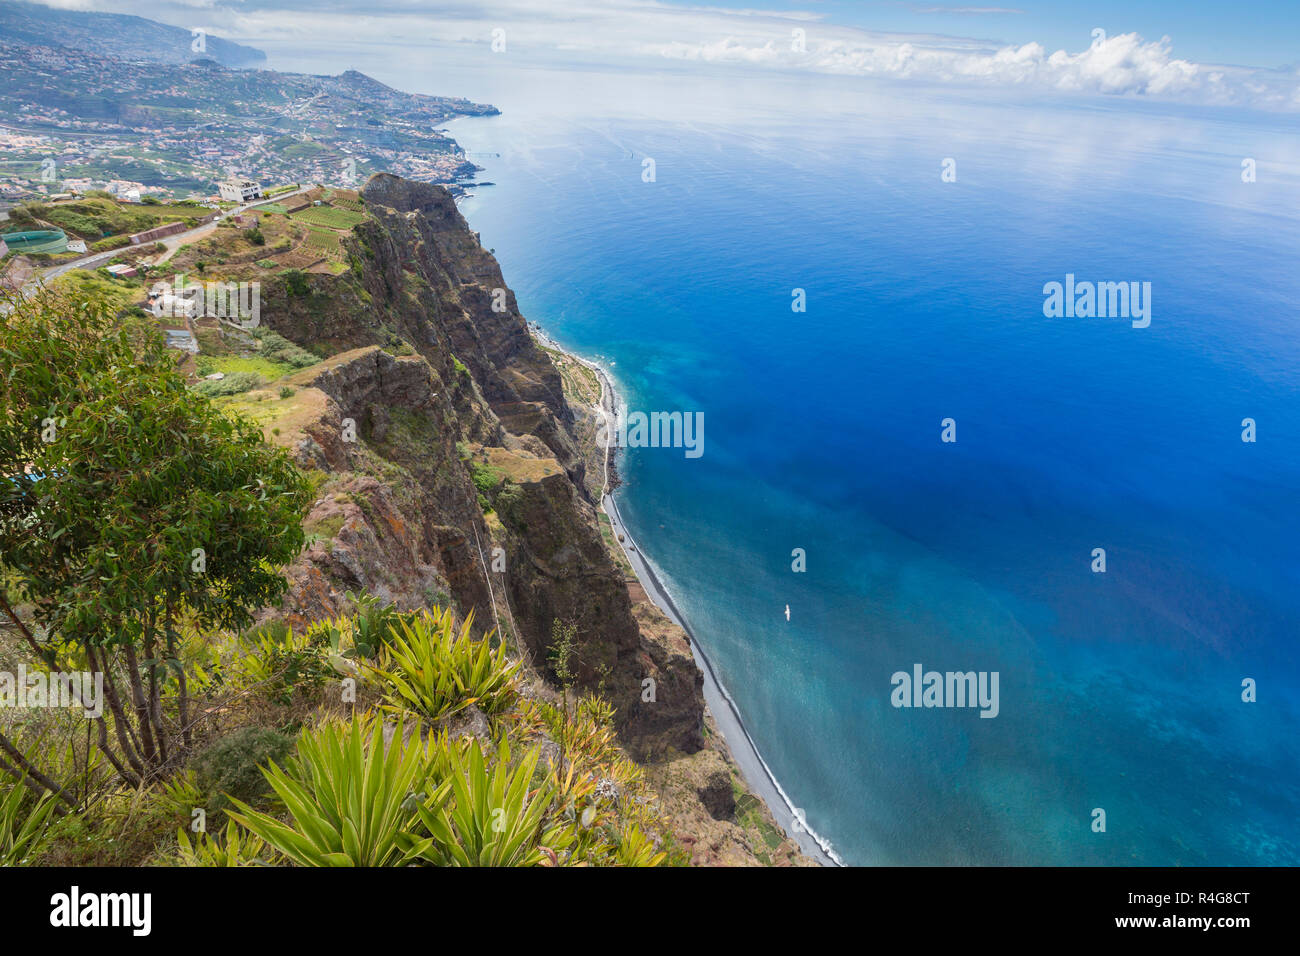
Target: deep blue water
{"points": [[1119, 691]]}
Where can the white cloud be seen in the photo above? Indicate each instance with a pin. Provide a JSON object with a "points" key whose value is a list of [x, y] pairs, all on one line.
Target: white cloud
{"points": [[628, 31], [1125, 64]]}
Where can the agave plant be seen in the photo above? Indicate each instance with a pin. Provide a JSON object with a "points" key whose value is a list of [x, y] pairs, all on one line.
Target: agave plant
{"points": [[353, 800], [238, 849], [436, 671], [373, 624], [495, 817], [635, 848], [22, 824]]}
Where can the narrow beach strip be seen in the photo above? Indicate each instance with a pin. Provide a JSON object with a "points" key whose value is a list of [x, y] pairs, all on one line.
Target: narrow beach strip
{"points": [[758, 775]]}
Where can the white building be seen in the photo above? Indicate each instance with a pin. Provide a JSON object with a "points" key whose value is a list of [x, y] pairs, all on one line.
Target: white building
{"points": [[239, 190]]}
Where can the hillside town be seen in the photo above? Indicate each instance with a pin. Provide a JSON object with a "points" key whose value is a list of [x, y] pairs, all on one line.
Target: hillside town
{"points": [[75, 121]]}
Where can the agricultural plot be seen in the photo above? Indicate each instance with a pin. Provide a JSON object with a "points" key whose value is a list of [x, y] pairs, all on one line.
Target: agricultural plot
{"points": [[324, 243], [329, 216]]}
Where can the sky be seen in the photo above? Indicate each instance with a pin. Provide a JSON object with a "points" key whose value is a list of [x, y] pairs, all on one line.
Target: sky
{"points": [[1205, 52], [1264, 34]]}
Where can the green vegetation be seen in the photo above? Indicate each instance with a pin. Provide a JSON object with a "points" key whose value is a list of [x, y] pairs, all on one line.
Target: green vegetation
{"points": [[231, 767], [233, 384], [113, 242], [352, 800], [83, 284], [295, 282], [329, 217], [23, 821], [230, 364], [277, 348], [434, 670], [99, 214], [133, 508], [141, 530], [486, 479]]}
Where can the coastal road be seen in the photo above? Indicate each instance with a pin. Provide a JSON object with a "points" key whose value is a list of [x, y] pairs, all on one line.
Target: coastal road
{"points": [[744, 752]]}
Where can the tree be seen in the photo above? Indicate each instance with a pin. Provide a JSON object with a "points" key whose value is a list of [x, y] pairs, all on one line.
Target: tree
{"points": [[128, 504]]}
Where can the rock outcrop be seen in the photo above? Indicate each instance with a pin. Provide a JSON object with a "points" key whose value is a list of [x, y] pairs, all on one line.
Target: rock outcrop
{"points": [[449, 471]]}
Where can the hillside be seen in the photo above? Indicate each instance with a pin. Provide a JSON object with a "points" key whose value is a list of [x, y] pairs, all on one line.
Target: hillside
{"points": [[448, 456], [79, 113], [120, 35]]}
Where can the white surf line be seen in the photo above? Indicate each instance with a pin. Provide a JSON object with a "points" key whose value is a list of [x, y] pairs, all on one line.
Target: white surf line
{"points": [[656, 590]]}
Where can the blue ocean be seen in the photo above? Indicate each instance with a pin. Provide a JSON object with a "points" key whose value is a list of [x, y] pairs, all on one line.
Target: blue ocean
{"points": [[1162, 691]]}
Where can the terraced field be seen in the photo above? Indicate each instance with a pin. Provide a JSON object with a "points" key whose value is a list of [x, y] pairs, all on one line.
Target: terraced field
{"points": [[323, 242], [330, 217]]}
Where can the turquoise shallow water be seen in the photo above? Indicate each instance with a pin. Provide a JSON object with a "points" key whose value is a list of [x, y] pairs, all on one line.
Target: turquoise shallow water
{"points": [[1119, 691]]}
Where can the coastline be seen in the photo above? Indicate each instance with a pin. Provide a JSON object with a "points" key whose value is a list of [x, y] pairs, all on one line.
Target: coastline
{"points": [[726, 714]]}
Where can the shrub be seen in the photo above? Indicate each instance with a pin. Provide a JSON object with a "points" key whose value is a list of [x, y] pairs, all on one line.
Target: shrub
{"points": [[231, 766], [149, 473], [281, 662], [286, 392], [485, 477], [508, 501], [232, 384], [279, 349], [295, 282], [375, 623]]}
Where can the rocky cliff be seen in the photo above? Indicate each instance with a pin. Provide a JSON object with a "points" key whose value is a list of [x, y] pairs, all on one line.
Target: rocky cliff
{"points": [[450, 468], [452, 471]]}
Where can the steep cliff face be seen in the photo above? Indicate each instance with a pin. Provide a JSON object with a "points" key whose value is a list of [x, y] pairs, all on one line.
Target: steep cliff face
{"points": [[420, 275], [452, 473]]}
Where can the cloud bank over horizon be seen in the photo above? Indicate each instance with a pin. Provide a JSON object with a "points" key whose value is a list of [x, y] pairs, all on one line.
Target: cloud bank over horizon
{"points": [[645, 33]]}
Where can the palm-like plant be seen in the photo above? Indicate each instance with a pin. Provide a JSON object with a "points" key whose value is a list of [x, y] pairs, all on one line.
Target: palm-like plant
{"points": [[494, 818], [436, 671], [353, 800], [238, 849], [22, 826], [635, 848]]}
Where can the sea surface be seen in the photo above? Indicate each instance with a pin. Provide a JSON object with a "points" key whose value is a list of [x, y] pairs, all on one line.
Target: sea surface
{"points": [[1119, 691]]}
